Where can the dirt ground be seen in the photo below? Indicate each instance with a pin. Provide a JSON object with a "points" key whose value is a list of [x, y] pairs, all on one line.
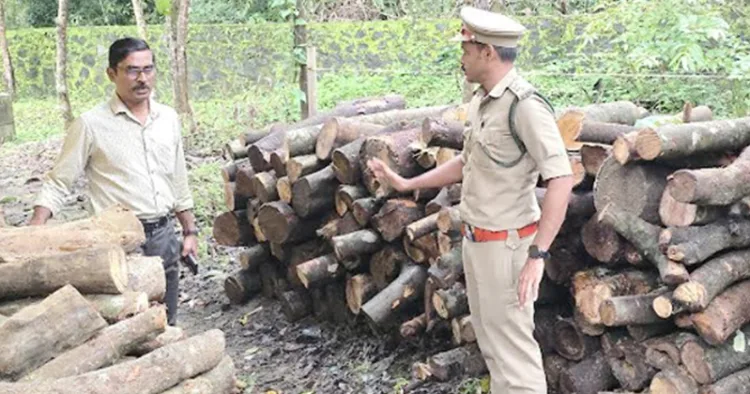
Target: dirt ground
{"points": [[270, 354]]}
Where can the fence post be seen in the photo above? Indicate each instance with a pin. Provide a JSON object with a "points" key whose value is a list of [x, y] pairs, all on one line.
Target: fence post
{"points": [[312, 81]]}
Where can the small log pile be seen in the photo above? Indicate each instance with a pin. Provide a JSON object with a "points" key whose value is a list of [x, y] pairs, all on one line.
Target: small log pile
{"points": [[81, 312], [645, 279]]}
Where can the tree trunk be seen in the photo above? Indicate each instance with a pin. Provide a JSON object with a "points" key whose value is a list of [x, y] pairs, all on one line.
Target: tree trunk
{"points": [[623, 149], [711, 279], [314, 193], [443, 133], [28, 340], [319, 271], [280, 223], [590, 376], [105, 348], [61, 77], [448, 196], [451, 302], [339, 226], [219, 380], [724, 315], [295, 304], [251, 258], [393, 150], [673, 381], [448, 269], [346, 195], [408, 287], [364, 208], [636, 188], [680, 214], [462, 361], [571, 343], [392, 219], [147, 374], [8, 72], [385, 265], [350, 245], [338, 132], [97, 270], [232, 229], [359, 290], [450, 112], [630, 309], [738, 382], [146, 274], [711, 239], [242, 286], [685, 140], [644, 236]]}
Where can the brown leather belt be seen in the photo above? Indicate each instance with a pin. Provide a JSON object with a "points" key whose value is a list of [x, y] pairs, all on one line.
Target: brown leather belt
{"points": [[477, 234]]}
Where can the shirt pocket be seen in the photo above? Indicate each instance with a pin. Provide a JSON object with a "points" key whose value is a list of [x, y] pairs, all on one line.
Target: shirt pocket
{"points": [[166, 156], [498, 147]]}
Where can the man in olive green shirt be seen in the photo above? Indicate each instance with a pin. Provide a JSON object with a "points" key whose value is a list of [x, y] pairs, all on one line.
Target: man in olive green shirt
{"points": [[511, 139], [130, 150]]}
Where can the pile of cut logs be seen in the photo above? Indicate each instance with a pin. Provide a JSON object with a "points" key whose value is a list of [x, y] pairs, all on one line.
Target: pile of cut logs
{"points": [[643, 293], [81, 312]]}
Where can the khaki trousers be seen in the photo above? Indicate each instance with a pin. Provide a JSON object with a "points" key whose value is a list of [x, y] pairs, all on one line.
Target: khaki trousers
{"points": [[504, 331]]}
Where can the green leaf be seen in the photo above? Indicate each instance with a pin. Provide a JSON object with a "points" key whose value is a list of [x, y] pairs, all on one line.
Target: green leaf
{"points": [[164, 7], [739, 344]]}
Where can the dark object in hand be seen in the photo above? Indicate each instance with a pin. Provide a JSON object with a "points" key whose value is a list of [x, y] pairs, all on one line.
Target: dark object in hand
{"points": [[191, 263]]}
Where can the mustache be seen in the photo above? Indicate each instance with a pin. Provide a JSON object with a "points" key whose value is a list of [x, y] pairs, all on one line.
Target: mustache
{"points": [[140, 86]]}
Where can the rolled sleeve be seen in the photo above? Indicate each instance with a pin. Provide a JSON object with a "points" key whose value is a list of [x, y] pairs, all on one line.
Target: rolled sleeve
{"points": [[72, 160], [183, 197], [536, 126]]}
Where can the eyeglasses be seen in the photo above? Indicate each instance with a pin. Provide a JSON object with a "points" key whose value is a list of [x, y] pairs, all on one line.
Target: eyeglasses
{"points": [[134, 72]]}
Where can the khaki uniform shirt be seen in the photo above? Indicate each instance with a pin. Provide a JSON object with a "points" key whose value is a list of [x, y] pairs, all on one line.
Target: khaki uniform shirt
{"points": [[141, 167], [495, 197]]}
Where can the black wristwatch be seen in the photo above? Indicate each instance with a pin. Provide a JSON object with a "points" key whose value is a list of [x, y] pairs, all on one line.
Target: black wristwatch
{"points": [[536, 253], [190, 231]]}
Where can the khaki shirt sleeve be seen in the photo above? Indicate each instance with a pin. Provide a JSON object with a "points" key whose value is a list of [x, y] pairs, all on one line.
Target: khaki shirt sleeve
{"points": [[72, 160], [538, 130], [183, 198]]}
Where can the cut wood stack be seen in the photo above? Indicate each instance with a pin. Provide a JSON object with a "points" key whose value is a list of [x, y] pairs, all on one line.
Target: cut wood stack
{"points": [[82, 313], [623, 281]]}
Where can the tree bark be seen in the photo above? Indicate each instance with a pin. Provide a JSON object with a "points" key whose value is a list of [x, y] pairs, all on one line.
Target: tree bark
{"points": [[393, 217], [295, 304], [242, 286], [712, 186], [314, 193], [626, 359], [360, 289], [27, 340], [112, 307], [636, 188], [346, 195], [281, 224], [602, 242], [232, 229], [724, 315], [338, 132], [711, 239], [339, 226], [61, 77], [244, 179], [364, 208], [350, 245], [146, 274], [259, 152], [105, 348], [8, 72], [590, 376], [345, 161], [619, 112], [738, 382], [234, 149], [461, 361], [629, 309], [685, 140], [451, 302], [385, 265], [571, 342], [406, 288], [170, 335], [673, 381], [393, 150], [708, 364], [554, 367], [252, 136], [319, 271], [443, 133], [603, 132], [97, 270], [301, 141], [299, 166], [680, 214], [219, 380], [447, 197], [664, 352], [711, 279], [644, 236], [251, 258], [152, 373]]}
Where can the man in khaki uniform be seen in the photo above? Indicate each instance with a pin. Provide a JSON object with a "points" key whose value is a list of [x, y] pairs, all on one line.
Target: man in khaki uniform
{"points": [[510, 140]]}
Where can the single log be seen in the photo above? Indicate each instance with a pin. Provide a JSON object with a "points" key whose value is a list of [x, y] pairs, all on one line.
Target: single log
{"points": [[251, 258], [451, 302], [146, 274], [571, 343], [301, 141], [407, 287], [314, 193], [448, 196], [258, 231], [242, 286], [708, 364], [449, 220], [738, 382], [281, 224], [636, 188], [251, 136], [623, 149], [386, 263], [338, 132], [673, 381], [393, 150], [641, 332], [664, 352], [421, 227], [443, 133], [724, 315], [346, 164], [712, 278], [170, 335], [232, 200], [569, 124], [593, 156], [680, 214], [629, 310], [602, 242], [219, 380], [229, 170], [628, 364], [463, 330], [264, 186], [413, 328], [235, 150], [253, 206], [364, 208], [644, 236], [339, 226], [665, 306], [711, 239], [113, 226], [299, 166], [619, 112], [100, 270], [295, 304], [259, 152], [319, 270], [448, 269], [350, 245], [684, 140], [393, 217], [554, 367], [590, 376], [244, 180], [39, 332], [427, 157], [346, 195], [447, 242], [359, 290], [152, 373], [424, 249], [602, 132], [105, 348], [284, 189], [461, 361], [112, 307], [233, 229]]}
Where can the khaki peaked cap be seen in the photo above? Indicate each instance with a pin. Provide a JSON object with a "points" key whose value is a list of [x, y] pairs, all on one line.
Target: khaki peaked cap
{"points": [[489, 28]]}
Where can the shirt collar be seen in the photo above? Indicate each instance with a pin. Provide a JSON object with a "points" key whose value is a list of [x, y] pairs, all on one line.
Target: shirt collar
{"points": [[118, 107], [499, 89]]}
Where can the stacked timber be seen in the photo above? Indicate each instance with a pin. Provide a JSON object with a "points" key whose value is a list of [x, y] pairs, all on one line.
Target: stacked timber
{"points": [[643, 290], [82, 312]]}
